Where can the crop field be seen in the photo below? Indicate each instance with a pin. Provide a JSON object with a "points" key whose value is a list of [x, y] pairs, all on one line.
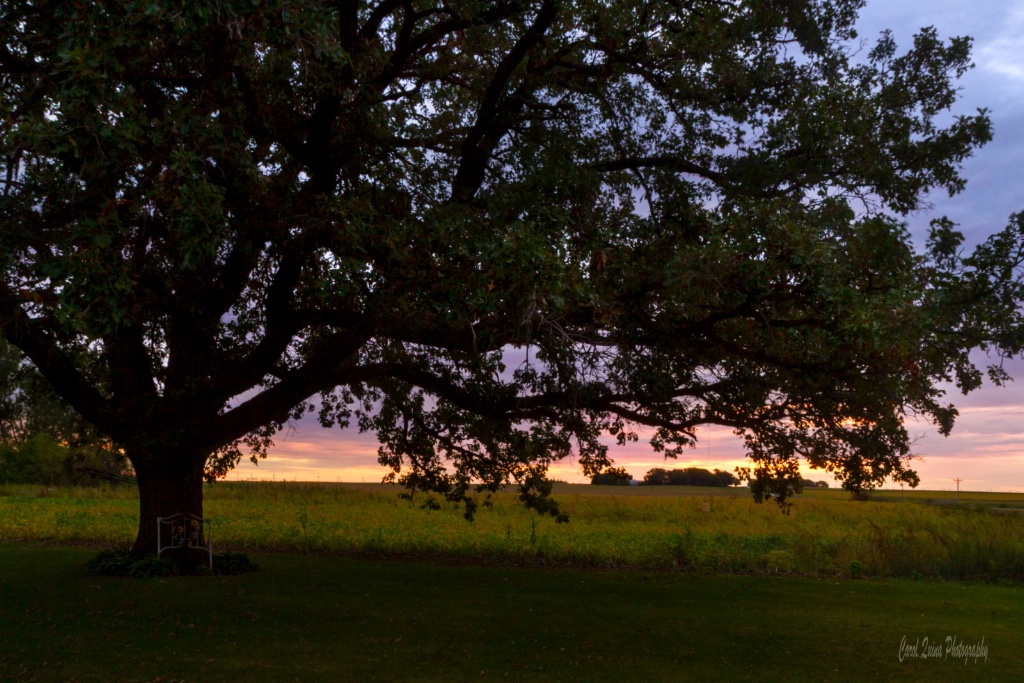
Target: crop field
{"points": [[658, 528]]}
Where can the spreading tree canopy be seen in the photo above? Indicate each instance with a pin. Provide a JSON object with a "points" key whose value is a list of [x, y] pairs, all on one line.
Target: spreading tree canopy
{"points": [[490, 231]]}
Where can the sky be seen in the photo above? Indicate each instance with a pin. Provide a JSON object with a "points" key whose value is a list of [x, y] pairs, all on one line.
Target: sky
{"points": [[986, 447]]}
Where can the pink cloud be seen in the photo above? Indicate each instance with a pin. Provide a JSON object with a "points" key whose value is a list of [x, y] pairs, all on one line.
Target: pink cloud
{"points": [[986, 449]]}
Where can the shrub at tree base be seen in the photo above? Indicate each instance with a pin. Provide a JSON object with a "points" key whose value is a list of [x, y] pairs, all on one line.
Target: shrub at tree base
{"points": [[119, 562], [229, 563]]}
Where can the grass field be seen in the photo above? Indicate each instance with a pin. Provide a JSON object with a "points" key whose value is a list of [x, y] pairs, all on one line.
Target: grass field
{"points": [[664, 528], [325, 617]]}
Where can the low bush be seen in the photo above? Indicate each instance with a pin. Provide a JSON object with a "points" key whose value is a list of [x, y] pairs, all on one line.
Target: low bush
{"points": [[229, 563], [119, 562]]}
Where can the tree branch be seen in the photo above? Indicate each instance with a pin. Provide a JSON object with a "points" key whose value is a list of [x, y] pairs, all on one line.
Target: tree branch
{"points": [[63, 375], [634, 163], [475, 153]]}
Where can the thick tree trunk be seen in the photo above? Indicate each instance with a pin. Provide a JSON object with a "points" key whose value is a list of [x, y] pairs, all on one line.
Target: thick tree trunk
{"points": [[171, 485]]}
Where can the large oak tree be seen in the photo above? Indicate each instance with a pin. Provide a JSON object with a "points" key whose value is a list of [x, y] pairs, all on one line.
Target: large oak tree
{"points": [[489, 231]]}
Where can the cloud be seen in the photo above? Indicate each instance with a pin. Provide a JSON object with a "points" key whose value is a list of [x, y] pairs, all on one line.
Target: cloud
{"points": [[986, 448], [1003, 52], [306, 451]]}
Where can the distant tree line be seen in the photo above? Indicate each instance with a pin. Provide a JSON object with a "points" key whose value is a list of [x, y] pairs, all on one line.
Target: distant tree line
{"points": [[690, 476], [42, 439], [659, 476], [613, 476]]}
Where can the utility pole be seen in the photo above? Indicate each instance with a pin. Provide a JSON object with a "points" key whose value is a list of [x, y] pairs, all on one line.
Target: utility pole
{"points": [[958, 480]]}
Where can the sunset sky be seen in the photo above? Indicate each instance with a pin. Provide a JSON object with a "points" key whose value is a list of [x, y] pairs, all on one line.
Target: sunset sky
{"points": [[986, 448]]}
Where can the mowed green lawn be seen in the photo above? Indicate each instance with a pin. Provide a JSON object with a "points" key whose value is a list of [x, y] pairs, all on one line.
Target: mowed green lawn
{"points": [[323, 617], [660, 583]]}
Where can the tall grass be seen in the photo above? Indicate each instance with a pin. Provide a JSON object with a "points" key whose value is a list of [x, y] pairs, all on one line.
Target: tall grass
{"points": [[824, 536]]}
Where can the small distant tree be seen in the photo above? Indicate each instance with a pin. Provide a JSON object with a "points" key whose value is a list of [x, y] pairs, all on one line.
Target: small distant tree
{"points": [[726, 478], [11, 407], [613, 476], [690, 476], [29, 405], [43, 440], [37, 460], [657, 476]]}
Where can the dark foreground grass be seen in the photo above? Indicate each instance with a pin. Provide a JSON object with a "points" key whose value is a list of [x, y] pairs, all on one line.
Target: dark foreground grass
{"points": [[330, 618]]}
